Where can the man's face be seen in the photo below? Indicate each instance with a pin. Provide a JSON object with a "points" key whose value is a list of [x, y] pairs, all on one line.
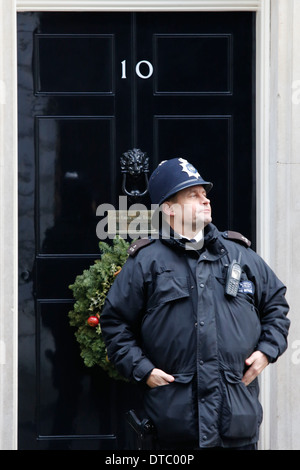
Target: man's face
{"points": [[192, 206]]}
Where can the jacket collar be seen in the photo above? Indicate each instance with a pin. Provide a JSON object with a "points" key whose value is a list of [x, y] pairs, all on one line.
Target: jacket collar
{"points": [[211, 250]]}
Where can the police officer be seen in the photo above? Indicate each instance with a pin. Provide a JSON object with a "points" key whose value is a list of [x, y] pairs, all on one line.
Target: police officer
{"points": [[190, 325]]}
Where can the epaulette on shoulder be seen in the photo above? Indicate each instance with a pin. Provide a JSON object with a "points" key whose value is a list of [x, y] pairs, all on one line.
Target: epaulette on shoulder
{"points": [[136, 246], [237, 237]]}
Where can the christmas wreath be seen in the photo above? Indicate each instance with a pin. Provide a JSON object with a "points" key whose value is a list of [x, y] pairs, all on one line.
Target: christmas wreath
{"points": [[89, 291]]}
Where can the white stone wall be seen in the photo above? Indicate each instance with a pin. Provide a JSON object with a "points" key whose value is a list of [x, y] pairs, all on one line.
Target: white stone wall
{"points": [[285, 212], [8, 227]]}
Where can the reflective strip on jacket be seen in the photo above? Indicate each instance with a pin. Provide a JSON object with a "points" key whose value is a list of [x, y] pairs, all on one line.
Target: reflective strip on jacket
{"points": [[167, 309]]}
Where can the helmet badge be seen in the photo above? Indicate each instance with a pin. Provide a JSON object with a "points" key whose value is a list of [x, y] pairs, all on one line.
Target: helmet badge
{"points": [[188, 168]]}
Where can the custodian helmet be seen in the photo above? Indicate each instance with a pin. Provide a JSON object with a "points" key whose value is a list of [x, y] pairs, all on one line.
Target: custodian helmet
{"points": [[171, 176]]}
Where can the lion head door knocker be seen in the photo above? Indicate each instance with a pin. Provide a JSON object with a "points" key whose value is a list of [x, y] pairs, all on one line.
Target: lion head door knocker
{"points": [[135, 163]]}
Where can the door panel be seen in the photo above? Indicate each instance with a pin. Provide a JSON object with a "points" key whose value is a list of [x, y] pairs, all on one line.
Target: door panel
{"points": [[67, 166], [200, 105], [182, 56], [189, 134], [74, 160], [85, 63], [92, 86]]}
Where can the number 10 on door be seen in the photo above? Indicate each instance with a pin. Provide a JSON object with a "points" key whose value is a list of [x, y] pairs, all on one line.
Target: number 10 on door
{"points": [[138, 69]]}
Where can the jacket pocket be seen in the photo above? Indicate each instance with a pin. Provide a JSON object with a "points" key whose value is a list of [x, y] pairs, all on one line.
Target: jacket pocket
{"points": [[168, 289], [172, 409], [241, 412]]}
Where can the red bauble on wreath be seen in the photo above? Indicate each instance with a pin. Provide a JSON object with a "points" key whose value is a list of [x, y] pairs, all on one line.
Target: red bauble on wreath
{"points": [[93, 320]]}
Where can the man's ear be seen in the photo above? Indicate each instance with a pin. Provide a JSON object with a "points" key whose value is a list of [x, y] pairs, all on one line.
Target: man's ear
{"points": [[168, 208]]}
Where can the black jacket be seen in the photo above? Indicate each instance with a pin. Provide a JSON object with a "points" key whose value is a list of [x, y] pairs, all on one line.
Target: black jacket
{"points": [[167, 309]]}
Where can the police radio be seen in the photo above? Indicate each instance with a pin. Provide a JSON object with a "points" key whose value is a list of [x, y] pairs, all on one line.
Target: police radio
{"points": [[233, 277]]}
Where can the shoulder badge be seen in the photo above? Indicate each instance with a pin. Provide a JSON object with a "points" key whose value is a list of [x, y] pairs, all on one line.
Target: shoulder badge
{"points": [[238, 237], [136, 246]]}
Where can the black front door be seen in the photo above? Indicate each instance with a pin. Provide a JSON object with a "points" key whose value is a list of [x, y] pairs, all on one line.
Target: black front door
{"points": [[91, 87]]}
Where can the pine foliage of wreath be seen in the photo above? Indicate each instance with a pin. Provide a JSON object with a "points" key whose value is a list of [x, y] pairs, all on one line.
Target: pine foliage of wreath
{"points": [[89, 291]]}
